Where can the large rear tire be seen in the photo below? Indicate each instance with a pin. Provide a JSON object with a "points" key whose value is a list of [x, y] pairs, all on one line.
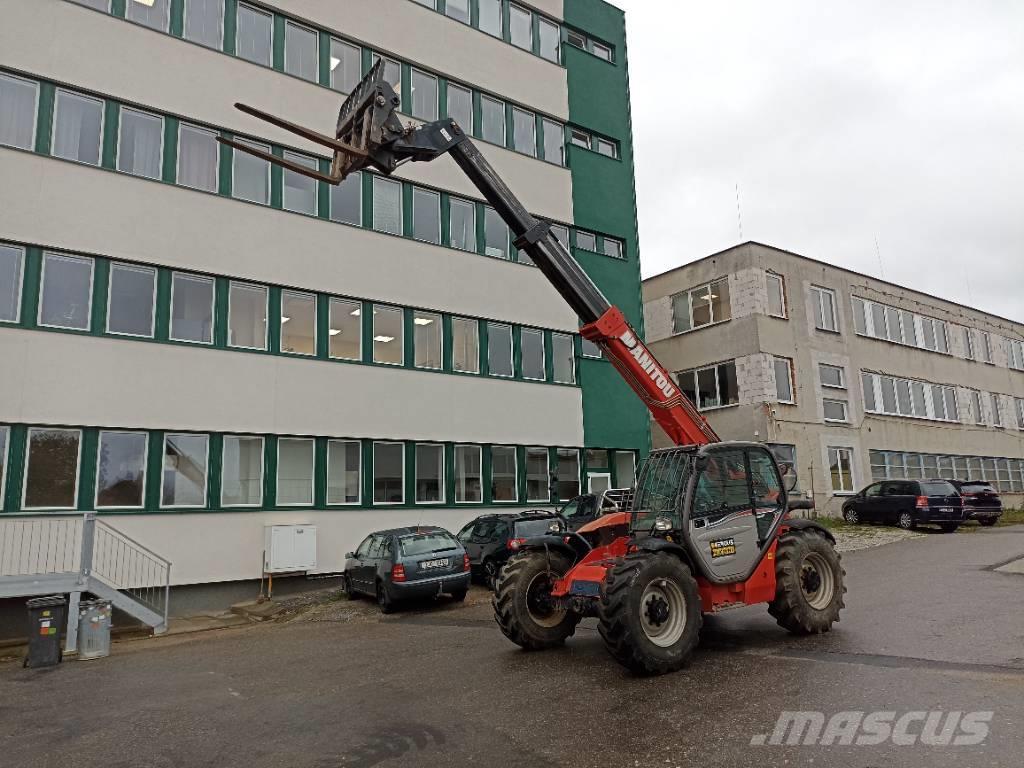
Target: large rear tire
{"points": [[987, 521], [650, 613], [522, 601], [808, 583]]}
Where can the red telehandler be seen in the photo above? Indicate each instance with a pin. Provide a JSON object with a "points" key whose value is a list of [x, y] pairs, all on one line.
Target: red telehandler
{"points": [[708, 528]]}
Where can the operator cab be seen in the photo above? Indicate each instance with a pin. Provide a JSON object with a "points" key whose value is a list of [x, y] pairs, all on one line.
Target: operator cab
{"points": [[724, 501]]}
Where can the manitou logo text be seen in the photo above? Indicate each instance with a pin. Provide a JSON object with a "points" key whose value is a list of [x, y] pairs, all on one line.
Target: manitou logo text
{"points": [[934, 729], [648, 363]]}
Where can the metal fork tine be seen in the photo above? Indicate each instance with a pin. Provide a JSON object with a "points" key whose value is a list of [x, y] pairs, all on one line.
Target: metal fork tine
{"points": [[296, 167], [298, 130]]}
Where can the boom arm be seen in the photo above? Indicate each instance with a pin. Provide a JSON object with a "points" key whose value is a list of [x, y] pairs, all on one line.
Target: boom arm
{"points": [[369, 134]]}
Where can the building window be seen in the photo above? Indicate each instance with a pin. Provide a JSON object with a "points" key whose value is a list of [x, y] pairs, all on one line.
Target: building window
{"points": [[344, 471], [520, 25], [601, 51], [711, 387], [499, 349], [568, 473], [300, 52], [492, 120], [346, 66], [429, 473], [465, 345], [490, 17], [347, 200], [427, 344], [424, 95], [121, 471], [426, 215], [462, 220], [496, 235], [1015, 354], [700, 306], [783, 379], [468, 486], [299, 189], [184, 478], [823, 304], [833, 376], [254, 36], [550, 39], [388, 473], [67, 292], [197, 158], [12, 265], [18, 105], [132, 296], [840, 462], [776, 295], [4, 439], [860, 323], [295, 471], [533, 354], [151, 13], [388, 337], [191, 308], [242, 471], [554, 141], [590, 349], [625, 469], [392, 75], [986, 347], [251, 174], [968, 343], [563, 359], [537, 488], [247, 316], [51, 477], [524, 132], [835, 410], [346, 330], [504, 473], [933, 335], [586, 241], [606, 148], [997, 411], [140, 145], [460, 107], [977, 414], [204, 22], [77, 127], [458, 10], [579, 138], [387, 205], [298, 323], [1018, 404]]}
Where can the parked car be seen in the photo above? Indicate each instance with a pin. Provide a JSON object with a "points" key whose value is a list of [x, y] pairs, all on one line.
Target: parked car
{"points": [[491, 539], [581, 510], [907, 503], [404, 563], [981, 501]]}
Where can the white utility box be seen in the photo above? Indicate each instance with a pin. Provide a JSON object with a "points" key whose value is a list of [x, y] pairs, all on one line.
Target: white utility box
{"points": [[289, 548]]}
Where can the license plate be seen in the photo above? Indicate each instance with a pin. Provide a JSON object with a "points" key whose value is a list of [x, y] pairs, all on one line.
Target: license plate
{"points": [[443, 562], [945, 509]]}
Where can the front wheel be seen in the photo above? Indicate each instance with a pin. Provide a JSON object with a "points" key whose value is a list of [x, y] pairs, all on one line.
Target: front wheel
{"points": [[650, 613], [808, 583], [523, 606], [851, 516], [384, 599], [905, 521]]}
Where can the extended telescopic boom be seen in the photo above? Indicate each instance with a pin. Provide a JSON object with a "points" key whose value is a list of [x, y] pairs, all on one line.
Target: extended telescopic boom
{"points": [[370, 135]]}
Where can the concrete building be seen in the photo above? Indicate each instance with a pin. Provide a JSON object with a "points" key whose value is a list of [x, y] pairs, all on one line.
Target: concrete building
{"points": [[199, 345], [852, 378]]}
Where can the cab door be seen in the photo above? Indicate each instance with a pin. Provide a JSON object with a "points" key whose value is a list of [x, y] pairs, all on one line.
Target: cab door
{"points": [[737, 503]]}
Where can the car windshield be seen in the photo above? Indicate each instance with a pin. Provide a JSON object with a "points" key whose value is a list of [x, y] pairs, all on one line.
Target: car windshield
{"points": [[977, 488], [937, 488], [663, 477], [426, 543], [528, 528]]}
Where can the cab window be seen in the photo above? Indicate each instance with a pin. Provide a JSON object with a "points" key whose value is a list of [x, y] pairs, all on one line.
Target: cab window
{"points": [[873, 490], [764, 480], [364, 548], [724, 484]]}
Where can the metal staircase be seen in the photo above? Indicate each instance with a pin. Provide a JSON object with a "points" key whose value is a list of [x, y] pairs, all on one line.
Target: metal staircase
{"points": [[76, 554]]}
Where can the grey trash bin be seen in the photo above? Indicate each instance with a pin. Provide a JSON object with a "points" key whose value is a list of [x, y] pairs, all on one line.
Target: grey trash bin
{"points": [[94, 629], [45, 627]]}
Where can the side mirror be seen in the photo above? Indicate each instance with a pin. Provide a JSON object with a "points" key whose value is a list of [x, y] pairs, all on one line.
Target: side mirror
{"points": [[349, 555]]}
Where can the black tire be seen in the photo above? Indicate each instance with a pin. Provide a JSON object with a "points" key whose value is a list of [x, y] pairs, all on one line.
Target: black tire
{"points": [[988, 522], [906, 521], [851, 516], [384, 600], [521, 596], [650, 613], [809, 584], [347, 588], [458, 595], [949, 527], [491, 571]]}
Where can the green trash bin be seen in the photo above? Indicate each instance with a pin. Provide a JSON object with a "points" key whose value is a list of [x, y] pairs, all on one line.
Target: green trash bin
{"points": [[46, 620]]}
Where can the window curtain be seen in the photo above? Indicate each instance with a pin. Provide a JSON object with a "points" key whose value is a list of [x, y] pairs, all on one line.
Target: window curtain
{"points": [[17, 112], [78, 129]]}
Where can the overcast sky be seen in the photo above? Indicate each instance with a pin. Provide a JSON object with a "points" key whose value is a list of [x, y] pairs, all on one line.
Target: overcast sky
{"points": [[841, 122]]}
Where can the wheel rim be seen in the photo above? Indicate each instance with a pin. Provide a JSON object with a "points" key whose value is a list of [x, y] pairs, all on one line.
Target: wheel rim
{"points": [[817, 581], [906, 520], [543, 609], [851, 516], [663, 612]]}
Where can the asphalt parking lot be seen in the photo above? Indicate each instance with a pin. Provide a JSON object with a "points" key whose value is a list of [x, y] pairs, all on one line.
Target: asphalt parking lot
{"points": [[930, 626]]}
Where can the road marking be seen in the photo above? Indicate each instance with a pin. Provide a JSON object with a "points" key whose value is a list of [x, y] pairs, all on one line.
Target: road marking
{"points": [[898, 662]]}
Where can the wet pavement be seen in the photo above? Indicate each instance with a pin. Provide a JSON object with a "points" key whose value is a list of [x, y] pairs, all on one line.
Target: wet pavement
{"points": [[930, 626]]}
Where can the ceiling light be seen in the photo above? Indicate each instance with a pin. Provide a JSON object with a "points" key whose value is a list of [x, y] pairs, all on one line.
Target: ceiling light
{"points": [[334, 63], [355, 312], [285, 319], [423, 321], [384, 339], [334, 331], [147, 3]]}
